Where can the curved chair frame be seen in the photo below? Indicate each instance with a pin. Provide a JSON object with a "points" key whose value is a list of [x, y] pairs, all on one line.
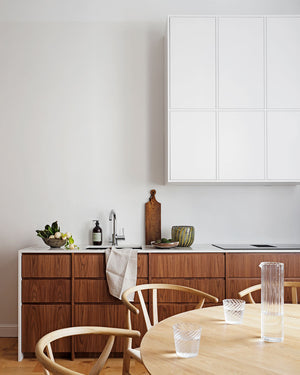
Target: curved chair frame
{"points": [[130, 352], [247, 293], [49, 363]]}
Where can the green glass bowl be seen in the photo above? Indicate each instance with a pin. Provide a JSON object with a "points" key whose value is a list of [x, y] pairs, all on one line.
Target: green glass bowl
{"points": [[184, 234]]}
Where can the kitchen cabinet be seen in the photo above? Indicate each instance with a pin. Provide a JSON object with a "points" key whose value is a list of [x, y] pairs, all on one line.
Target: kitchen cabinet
{"points": [[243, 271], [205, 272], [283, 51], [241, 146], [192, 137], [63, 290], [46, 298], [192, 62], [283, 145], [228, 79], [241, 62]]}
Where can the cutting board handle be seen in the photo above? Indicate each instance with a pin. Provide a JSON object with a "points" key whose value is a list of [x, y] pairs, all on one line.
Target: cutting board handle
{"points": [[152, 195]]}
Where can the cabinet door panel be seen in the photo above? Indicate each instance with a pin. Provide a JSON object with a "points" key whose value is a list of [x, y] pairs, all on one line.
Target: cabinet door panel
{"points": [[112, 315], [241, 145], [215, 287], [37, 320], [45, 265], [91, 291], [241, 63], [283, 145], [236, 285], [186, 265], [192, 62], [192, 145], [283, 61], [247, 265], [45, 291], [93, 265]]}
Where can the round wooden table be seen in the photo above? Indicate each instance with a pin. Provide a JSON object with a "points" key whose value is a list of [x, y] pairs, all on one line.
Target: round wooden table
{"points": [[225, 348]]}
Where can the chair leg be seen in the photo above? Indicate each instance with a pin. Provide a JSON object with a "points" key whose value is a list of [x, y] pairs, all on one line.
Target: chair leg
{"points": [[126, 364]]}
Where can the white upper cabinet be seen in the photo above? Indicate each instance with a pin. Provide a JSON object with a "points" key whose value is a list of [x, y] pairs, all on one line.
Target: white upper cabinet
{"points": [[192, 62], [283, 145], [283, 62], [233, 99], [241, 62], [241, 145], [192, 145]]}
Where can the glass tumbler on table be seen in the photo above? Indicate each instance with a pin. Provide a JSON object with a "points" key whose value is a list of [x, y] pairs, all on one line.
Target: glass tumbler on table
{"points": [[187, 339], [233, 310]]}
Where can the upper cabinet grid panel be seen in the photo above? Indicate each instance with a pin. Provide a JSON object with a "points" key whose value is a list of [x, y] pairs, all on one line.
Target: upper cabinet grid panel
{"points": [[233, 99], [223, 63]]}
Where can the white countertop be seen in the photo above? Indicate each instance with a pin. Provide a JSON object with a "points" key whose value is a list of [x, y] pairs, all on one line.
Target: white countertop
{"points": [[196, 248]]}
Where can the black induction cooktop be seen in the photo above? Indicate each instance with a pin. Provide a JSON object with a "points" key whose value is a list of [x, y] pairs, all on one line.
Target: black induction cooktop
{"points": [[262, 246]]}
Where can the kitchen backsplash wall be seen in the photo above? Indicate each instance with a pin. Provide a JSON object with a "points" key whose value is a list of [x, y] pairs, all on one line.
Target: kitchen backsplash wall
{"points": [[82, 127]]}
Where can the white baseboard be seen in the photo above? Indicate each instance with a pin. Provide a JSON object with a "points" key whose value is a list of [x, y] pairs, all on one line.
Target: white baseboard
{"points": [[8, 330]]}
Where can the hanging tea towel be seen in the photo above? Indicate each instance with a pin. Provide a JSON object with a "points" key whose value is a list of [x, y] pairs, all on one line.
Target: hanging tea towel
{"points": [[121, 270]]}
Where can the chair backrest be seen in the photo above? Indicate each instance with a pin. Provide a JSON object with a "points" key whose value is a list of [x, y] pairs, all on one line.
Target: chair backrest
{"points": [[247, 293], [154, 287], [48, 362]]}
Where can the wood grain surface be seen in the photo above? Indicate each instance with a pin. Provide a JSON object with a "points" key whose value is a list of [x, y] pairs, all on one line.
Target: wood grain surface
{"points": [[95, 315], [38, 320], [46, 291], [214, 286], [187, 265], [225, 349], [91, 291], [93, 265], [152, 219], [46, 265], [247, 264]]}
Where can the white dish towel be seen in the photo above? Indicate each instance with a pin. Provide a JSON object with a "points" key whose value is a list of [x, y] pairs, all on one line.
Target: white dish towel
{"points": [[121, 270]]}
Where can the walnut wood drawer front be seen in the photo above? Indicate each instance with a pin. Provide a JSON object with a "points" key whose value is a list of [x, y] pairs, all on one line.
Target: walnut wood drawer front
{"points": [[37, 320], [215, 287], [93, 265], [46, 265], [247, 265], [92, 291], [112, 316], [46, 291], [187, 265]]}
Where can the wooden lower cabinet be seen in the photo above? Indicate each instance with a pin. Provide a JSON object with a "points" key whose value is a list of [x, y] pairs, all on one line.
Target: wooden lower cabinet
{"points": [[108, 315], [67, 289], [243, 271], [37, 320]]}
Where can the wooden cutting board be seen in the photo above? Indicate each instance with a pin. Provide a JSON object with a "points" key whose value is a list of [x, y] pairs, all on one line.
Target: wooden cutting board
{"points": [[152, 219]]}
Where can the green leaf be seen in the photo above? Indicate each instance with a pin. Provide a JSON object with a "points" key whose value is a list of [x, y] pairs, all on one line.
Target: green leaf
{"points": [[55, 227]]}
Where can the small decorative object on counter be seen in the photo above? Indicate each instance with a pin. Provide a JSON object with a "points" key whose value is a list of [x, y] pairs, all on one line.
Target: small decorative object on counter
{"points": [[53, 237], [184, 234], [97, 234], [164, 243]]}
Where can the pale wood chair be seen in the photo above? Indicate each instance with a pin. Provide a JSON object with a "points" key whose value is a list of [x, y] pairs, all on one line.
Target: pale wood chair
{"points": [[130, 352], [247, 293], [48, 362]]}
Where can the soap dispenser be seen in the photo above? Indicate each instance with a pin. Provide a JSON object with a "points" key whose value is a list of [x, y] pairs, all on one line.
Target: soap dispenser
{"points": [[97, 234]]}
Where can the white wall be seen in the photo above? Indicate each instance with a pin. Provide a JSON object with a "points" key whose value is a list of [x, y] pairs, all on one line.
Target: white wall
{"points": [[81, 130]]}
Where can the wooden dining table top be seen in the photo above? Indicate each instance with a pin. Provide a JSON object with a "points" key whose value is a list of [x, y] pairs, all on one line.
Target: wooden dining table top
{"points": [[225, 348]]}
